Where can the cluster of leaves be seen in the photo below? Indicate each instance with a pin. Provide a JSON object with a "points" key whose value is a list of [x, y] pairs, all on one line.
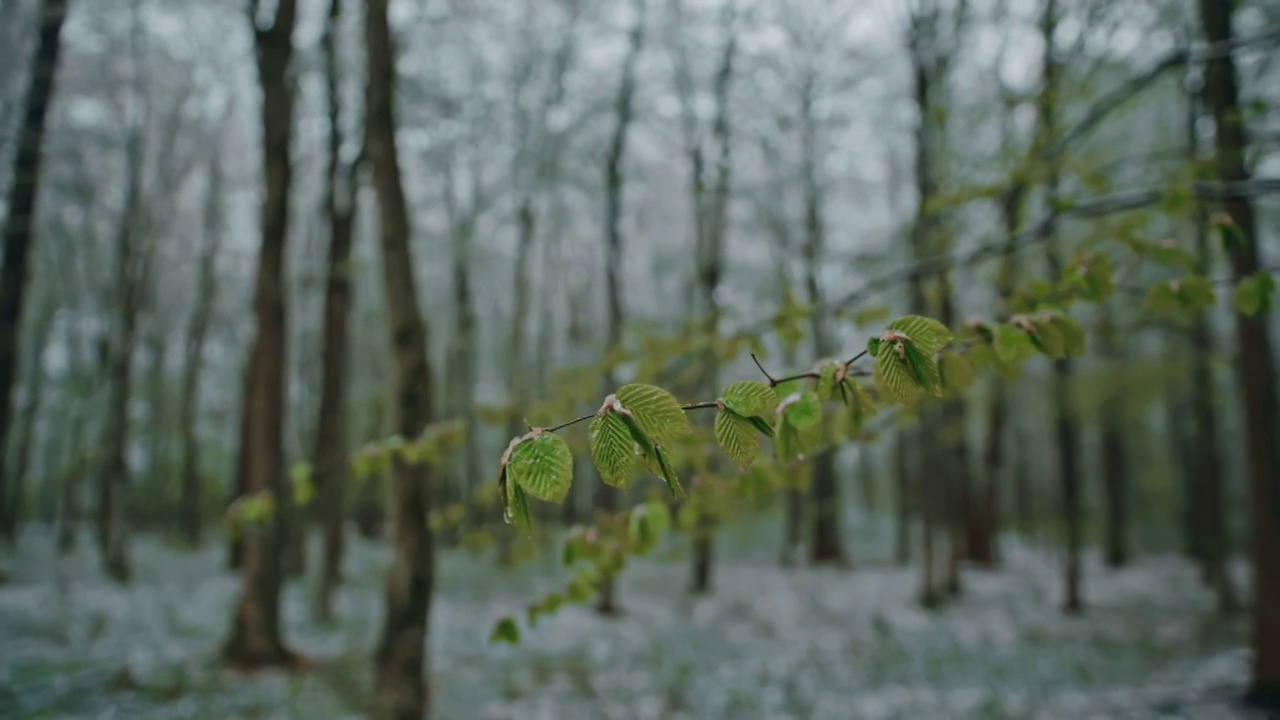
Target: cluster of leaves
{"points": [[638, 426], [437, 442]]}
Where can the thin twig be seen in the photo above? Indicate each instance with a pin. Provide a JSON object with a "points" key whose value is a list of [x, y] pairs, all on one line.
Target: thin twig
{"points": [[574, 421], [756, 360], [705, 405], [856, 358]]}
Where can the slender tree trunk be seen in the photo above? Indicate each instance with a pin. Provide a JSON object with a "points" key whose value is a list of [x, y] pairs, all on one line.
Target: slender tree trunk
{"points": [[115, 477], [710, 268], [192, 502], [19, 223], [1112, 461], [827, 547], [330, 466], [904, 471], [606, 497], [1208, 480], [15, 507], [400, 663], [1256, 362], [256, 637]]}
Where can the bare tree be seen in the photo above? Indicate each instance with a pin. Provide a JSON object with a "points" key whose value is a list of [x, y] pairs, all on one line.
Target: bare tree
{"points": [[400, 686], [331, 437], [19, 236], [606, 497], [1256, 361], [256, 636]]}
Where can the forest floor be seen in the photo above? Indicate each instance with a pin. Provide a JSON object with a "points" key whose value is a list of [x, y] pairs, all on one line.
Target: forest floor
{"points": [[769, 643]]}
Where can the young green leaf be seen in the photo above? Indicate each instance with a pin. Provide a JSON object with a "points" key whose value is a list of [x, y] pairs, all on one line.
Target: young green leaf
{"points": [[656, 412], [542, 465], [505, 631], [1045, 336], [1253, 295], [654, 456], [737, 437], [927, 334], [826, 384], [802, 410], [892, 374], [613, 450], [861, 408], [956, 371], [748, 398], [647, 524], [1073, 338], [923, 369], [1012, 344]]}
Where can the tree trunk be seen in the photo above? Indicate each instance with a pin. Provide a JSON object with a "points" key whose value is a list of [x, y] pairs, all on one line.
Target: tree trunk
{"points": [[827, 546], [192, 501], [15, 506], [400, 663], [1256, 362], [1206, 455], [710, 263], [19, 223], [1112, 460], [606, 497], [256, 637], [904, 471], [115, 477], [330, 466]]}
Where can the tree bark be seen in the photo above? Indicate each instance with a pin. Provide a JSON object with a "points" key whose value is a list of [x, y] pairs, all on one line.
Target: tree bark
{"points": [[827, 546], [400, 663], [330, 465], [606, 497], [256, 637], [904, 470], [192, 501], [1112, 460], [15, 506], [19, 223], [1256, 363], [1207, 483]]}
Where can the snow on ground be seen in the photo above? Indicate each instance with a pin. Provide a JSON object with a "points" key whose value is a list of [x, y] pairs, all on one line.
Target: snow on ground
{"points": [[769, 643]]}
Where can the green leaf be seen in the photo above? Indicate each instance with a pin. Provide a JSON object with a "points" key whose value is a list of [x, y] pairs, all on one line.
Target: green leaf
{"points": [[542, 465], [654, 456], [737, 437], [803, 410], [1045, 336], [1073, 338], [956, 371], [923, 369], [1012, 344], [826, 381], [613, 451], [927, 334], [749, 398], [892, 375], [861, 408], [647, 524], [656, 412], [506, 631], [761, 426], [518, 506], [1253, 295]]}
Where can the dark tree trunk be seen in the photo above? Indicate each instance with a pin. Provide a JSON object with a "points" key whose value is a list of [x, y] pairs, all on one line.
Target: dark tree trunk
{"points": [[192, 502], [606, 497], [1207, 483], [1112, 460], [19, 223], [1256, 363], [256, 637], [330, 466], [710, 263], [904, 470], [400, 662], [15, 508], [827, 546]]}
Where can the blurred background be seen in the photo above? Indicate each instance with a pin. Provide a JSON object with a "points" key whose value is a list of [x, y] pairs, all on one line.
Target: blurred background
{"points": [[283, 278]]}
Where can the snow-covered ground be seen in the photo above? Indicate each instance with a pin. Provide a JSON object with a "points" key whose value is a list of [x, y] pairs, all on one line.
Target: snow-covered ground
{"points": [[769, 643]]}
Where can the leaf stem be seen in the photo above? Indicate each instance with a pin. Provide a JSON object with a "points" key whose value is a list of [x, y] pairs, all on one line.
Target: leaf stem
{"points": [[705, 405]]}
